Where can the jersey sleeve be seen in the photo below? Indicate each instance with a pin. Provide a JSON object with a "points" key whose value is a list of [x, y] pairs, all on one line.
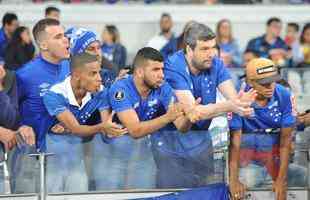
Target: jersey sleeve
{"points": [[288, 114], [55, 103], [119, 98], [103, 97], [176, 79]]}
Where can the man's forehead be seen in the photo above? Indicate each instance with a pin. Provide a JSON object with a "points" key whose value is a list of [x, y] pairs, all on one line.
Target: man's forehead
{"points": [[94, 44], [209, 43], [55, 29]]}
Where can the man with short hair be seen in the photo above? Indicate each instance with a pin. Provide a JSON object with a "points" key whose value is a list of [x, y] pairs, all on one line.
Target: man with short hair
{"points": [[261, 144], [9, 25], [72, 102], [165, 35], [186, 160], [144, 104], [52, 13], [271, 40], [33, 81]]}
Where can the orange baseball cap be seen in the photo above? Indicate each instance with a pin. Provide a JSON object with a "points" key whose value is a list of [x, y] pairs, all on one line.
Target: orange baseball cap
{"points": [[262, 70]]}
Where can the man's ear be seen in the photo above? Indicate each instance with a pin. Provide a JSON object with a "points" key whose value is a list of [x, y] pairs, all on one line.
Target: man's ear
{"points": [[189, 50], [43, 45]]}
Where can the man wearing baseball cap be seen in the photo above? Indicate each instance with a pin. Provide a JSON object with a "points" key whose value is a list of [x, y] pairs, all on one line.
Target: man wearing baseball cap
{"points": [[260, 145]]}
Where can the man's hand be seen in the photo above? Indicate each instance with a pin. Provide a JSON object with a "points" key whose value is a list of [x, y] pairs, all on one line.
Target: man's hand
{"points": [[304, 118], [193, 113], [247, 97], [112, 129], [175, 110], [28, 135], [58, 128], [122, 74], [279, 187], [9, 140], [237, 190], [241, 108]]}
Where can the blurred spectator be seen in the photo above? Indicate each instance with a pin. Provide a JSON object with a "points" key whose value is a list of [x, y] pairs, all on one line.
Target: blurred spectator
{"points": [[52, 12], [175, 44], [230, 52], [112, 49], [19, 50], [165, 35], [248, 55], [270, 40], [305, 44], [291, 40], [9, 24]]}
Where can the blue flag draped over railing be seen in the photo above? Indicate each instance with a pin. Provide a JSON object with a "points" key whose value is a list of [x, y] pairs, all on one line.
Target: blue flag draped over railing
{"points": [[217, 191]]}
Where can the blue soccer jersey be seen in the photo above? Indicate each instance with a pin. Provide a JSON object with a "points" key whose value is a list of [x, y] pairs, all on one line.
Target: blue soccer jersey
{"points": [[33, 81], [202, 85], [123, 95]]}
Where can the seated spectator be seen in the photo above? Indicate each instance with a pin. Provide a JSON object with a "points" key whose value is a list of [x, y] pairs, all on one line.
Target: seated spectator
{"points": [[230, 52], [270, 40], [19, 50], [291, 40], [9, 24], [305, 44], [52, 12], [165, 35], [175, 44], [112, 49]]}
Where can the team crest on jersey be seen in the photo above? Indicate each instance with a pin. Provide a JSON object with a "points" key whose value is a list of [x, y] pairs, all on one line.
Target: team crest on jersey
{"points": [[119, 95], [229, 116]]}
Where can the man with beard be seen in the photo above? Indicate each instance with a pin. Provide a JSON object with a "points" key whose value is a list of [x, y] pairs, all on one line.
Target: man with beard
{"points": [[165, 35], [72, 102], [144, 104], [261, 144], [186, 160]]}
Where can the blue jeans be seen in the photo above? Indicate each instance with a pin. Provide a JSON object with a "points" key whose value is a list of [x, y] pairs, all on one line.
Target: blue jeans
{"points": [[183, 161], [65, 170], [123, 163], [254, 175]]}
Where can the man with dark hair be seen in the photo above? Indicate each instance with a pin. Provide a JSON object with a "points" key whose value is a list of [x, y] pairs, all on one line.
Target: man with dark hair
{"points": [[52, 12], [195, 73], [33, 81], [271, 40], [165, 35], [9, 25], [72, 102], [261, 145], [143, 104]]}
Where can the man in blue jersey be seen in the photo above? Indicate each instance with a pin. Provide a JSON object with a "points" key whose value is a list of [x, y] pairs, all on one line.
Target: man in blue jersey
{"points": [[33, 81], [144, 104], [185, 160], [260, 145], [72, 102]]}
